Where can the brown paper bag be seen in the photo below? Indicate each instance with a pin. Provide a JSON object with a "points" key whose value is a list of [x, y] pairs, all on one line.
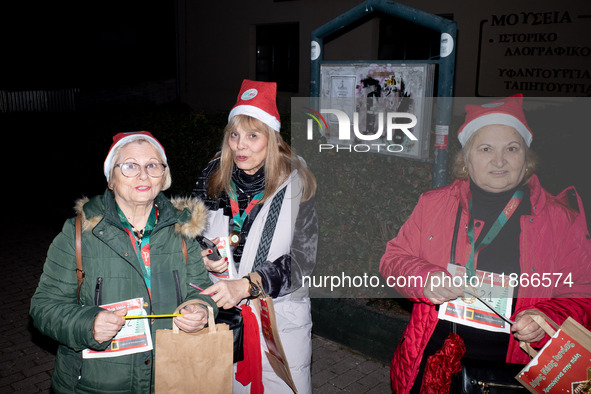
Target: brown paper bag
{"points": [[194, 362], [563, 364], [276, 354]]}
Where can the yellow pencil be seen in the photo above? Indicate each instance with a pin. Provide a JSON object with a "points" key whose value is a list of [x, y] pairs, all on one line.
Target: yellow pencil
{"points": [[151, 316]]}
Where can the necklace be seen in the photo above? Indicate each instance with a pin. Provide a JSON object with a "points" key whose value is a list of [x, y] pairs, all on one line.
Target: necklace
{"points": [[139, 234], [237, 218]]}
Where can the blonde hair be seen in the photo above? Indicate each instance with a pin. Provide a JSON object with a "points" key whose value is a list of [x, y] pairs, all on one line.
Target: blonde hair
{"points": [[459, 168], [279, 162], [166, 178]]}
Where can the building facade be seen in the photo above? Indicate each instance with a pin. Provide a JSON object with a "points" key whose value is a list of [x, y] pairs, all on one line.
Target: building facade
{"points": [[539, 48]]}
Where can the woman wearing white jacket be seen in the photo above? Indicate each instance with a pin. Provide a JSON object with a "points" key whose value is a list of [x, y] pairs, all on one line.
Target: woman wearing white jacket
{"points": [[254, 168]]}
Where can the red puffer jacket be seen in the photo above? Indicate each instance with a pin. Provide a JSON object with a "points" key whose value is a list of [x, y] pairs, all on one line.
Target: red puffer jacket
{"points": [[554, 239]]}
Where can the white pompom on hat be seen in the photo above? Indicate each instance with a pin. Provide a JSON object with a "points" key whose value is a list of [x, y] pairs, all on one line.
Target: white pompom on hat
{"points": [[507, 111], [125, 138], [258, 100]]}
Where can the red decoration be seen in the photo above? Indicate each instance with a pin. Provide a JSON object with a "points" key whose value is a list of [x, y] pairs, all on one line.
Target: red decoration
{"points": [[443, 365], [250, 370]]}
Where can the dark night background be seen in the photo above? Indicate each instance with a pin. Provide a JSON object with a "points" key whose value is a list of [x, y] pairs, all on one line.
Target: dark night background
{"points": [[101, 48], [90, 45]]}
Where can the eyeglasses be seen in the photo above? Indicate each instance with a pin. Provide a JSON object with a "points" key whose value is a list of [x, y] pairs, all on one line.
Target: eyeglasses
{"points": [[131, 170]]}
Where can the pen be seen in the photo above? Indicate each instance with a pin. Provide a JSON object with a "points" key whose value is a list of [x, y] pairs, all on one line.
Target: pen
{"points": [[197, 287], [492, 308], [151, 316]]}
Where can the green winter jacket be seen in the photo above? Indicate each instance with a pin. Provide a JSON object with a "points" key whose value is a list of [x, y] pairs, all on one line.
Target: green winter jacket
{"points": [[113, 273]]}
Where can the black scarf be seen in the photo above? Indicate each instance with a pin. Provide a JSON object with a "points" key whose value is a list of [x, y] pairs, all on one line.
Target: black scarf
{"points": [[246, 187], [502, 255], [248, 183]]}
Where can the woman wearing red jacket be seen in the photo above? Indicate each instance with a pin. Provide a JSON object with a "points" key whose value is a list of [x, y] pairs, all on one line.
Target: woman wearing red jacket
{"points": [[498, 209]]}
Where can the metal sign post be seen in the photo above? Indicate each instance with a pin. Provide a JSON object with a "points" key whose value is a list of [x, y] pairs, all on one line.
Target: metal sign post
{"points": [[446, 64]]}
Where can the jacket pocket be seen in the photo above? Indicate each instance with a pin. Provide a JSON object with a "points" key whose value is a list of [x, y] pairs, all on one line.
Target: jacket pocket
{"points": [[177, 284], [67, 370], [108, 375]]}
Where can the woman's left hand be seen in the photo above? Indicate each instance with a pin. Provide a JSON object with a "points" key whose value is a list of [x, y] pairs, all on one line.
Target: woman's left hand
{"points": [[193, 319], [228, 293], [525, 328]]}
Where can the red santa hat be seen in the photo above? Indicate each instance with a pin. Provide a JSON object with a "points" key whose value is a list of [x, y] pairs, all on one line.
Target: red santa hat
{"points": [[258, 100], [508, 112], [125, 138]]}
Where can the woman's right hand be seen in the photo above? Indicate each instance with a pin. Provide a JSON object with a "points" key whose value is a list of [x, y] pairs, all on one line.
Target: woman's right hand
{"points": [[440, 288], [228, 293], [218, 266], [107, 324]]}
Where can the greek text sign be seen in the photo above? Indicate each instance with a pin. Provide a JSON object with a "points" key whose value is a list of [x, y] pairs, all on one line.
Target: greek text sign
{"points": [[545, 53]]}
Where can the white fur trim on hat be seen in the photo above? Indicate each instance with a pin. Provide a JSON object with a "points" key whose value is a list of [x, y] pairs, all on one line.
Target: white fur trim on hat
{"points": [[495, 118], [125, 140], [257, 113]]}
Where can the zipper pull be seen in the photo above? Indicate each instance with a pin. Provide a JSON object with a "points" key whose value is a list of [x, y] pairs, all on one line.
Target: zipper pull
{"points": [[98, 291]]}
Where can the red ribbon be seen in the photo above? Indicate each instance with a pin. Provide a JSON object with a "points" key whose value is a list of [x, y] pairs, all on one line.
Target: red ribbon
{"points": [[250, 370]]}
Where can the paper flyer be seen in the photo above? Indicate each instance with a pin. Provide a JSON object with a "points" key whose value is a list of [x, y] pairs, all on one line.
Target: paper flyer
{"points": [[472, 312], [134, 337]]}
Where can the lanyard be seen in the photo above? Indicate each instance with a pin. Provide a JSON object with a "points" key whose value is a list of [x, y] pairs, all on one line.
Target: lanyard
{"points": [[503, 218], [141, 244], [237, 218]]}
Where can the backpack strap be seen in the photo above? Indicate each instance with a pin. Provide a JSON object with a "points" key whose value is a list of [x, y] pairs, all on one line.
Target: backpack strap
{"points": [[454, 240], [79, 271], [185, 253]]}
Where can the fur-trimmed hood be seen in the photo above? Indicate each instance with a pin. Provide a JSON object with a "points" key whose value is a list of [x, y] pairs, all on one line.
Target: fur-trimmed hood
{"points": [[196, 225], [191, 214]]}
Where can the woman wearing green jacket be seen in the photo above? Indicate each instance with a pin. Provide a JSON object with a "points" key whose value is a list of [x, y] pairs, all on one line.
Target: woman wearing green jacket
{"points": [[132, 248]]}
